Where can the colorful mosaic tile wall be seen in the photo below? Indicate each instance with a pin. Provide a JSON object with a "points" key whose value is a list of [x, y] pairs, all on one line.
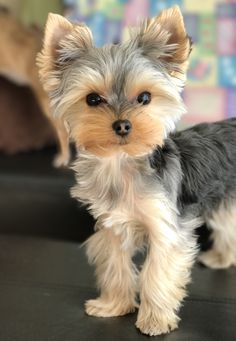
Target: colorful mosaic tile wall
{"points": [[211, 91]]}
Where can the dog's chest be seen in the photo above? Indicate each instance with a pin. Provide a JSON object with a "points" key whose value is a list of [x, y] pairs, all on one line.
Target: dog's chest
{"points": [[113, 184]]}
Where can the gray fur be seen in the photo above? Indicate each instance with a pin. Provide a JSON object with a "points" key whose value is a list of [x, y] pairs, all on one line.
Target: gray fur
{"points": [[206, 155]]}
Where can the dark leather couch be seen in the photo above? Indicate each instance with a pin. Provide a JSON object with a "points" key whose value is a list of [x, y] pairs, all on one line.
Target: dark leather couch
{"points": [[45, 279]]}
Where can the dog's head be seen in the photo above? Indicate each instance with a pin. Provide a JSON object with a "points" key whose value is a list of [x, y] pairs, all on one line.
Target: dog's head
{"points": [[118, 98]]}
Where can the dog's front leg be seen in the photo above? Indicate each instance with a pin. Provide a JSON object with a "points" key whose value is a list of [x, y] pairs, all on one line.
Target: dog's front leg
{"points": [[116, 275], [164, 275]]}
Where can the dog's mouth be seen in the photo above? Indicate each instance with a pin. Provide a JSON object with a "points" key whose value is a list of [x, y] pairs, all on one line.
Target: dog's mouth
{"points": [[123, 141], [105, 145]]}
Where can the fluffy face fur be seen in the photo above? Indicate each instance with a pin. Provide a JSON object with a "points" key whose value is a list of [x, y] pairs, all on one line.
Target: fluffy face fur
{"points": [[153, 60], [145, 188]]}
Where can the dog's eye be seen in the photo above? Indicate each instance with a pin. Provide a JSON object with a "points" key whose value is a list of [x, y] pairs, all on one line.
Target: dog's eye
{"points": [[94, 99], [144, 98]]}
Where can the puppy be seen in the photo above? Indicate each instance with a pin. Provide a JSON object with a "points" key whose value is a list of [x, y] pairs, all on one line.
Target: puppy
{"points": [[18, 49], [145, 185]]}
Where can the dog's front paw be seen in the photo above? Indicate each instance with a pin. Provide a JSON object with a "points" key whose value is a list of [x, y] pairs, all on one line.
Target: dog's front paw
{"points": [[156, 323], [104, 308]]}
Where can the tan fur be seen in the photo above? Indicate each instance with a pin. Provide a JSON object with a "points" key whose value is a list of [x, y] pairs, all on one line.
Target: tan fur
{"points": [[18, 50], [172, 21], [60, 37], [150, 126], [101, 140], [129, 217], [115, 273], [168, 249], [171, 256], [167, 31]]}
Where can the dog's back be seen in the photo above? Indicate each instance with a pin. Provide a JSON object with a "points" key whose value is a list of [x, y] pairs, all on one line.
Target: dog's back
{"points": [[208, 162], [202, 162]]}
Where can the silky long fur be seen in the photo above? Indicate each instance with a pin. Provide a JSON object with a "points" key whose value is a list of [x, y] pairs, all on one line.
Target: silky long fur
{"points": [[150, 189]]}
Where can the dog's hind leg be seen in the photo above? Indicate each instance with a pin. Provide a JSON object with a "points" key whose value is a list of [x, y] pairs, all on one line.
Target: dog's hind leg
{"points": [[223, 224]]}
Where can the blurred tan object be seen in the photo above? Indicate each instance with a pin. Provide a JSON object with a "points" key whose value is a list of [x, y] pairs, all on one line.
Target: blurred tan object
{"points": [[18, 49], [13, 6], [23, 127]]}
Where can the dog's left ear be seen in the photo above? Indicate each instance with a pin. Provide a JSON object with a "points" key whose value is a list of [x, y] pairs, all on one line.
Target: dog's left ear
{"points": [[164, 39], [63, 43]]}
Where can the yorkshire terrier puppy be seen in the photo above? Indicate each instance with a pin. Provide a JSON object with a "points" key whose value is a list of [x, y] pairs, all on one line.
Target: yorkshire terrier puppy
{"points": [[145, 185]]}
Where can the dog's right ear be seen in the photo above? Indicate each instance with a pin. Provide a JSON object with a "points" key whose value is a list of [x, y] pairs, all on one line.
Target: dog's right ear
{"points": [[63, 43]]}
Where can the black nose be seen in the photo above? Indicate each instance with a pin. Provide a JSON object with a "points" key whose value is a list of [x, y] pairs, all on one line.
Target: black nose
{"points": [[122, 127]]}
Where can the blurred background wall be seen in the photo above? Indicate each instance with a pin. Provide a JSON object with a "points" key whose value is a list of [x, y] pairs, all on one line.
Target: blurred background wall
{"points": [[211, 91]]}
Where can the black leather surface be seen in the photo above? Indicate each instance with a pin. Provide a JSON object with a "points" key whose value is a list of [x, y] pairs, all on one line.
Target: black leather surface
{"points": [[44, 283], [35, 199]]}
